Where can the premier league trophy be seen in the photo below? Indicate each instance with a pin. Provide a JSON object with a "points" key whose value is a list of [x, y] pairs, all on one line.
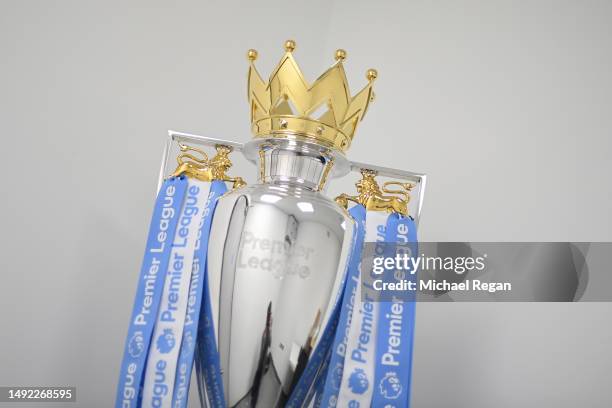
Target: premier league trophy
{"points": [[280, 254], [278, 248]]}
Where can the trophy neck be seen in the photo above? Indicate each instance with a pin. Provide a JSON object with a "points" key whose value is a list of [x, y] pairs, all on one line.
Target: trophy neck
{"points": [[296, 164]]}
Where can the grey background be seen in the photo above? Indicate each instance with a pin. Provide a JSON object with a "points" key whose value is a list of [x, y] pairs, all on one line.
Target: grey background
{"points": [[507, 105]]}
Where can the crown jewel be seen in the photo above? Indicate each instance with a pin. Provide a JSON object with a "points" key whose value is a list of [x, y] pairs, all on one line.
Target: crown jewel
{"points": [[288, 106]]}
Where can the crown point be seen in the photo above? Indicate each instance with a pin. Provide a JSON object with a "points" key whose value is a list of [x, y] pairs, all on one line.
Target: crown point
{"points": [[372, 74], [340, 55], [289, 45], [252, 55]]}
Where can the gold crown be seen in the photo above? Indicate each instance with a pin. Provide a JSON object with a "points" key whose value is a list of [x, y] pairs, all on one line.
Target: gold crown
{"points": [[287, 106]]}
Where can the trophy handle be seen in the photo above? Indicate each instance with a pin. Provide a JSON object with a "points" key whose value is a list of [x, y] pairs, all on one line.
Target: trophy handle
{"points": [[418, 180]]}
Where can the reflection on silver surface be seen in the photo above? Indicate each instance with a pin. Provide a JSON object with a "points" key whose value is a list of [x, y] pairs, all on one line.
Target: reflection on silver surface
{"points": [[276, 256]]}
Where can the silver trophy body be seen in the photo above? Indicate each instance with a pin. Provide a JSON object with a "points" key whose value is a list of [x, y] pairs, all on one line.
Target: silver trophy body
{"points": [[277, 253]]}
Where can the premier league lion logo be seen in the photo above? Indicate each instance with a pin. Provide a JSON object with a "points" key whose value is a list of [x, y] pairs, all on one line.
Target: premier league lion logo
{"points": [[358, 381], [390, 386], [136, 344], [165, 342], [336, 378], [188, 340]]}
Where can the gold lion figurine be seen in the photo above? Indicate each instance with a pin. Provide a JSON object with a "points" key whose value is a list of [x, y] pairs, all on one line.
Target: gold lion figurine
{"points": [[206, 169], [372, 197]]}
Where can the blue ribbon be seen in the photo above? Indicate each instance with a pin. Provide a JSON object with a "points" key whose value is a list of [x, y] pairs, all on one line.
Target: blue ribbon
{"points": [[198, 320], [149, 290], [209, 361], [395, 334], [319, 384], [338, 352], [207, 350]]}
